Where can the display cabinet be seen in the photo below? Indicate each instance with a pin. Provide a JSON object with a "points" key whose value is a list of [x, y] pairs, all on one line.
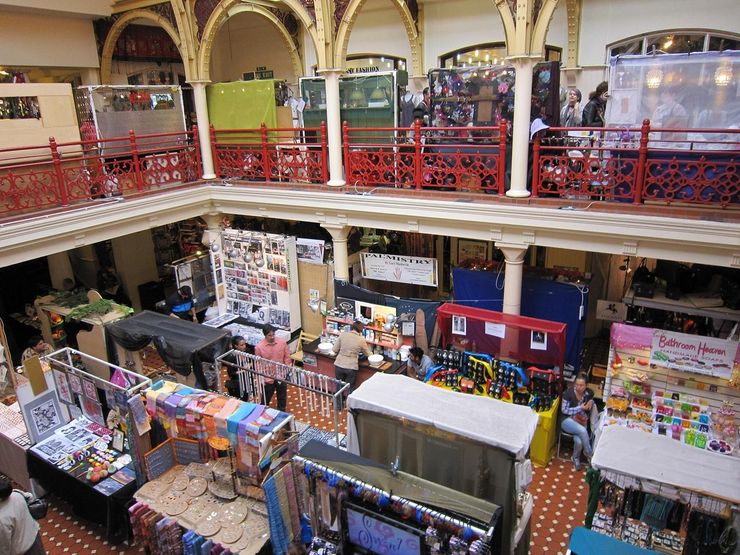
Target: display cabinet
{"points": [[484, 96], [373, 334], [366, 100]]}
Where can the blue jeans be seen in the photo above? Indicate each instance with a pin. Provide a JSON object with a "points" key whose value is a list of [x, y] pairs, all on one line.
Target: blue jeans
{"points": [[581, 440]]}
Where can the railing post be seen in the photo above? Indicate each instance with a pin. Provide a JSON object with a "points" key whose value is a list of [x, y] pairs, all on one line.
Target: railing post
{"points": [[57, 161], [265, 153], [502, 127], [345, 145], [138, 178], [418, 165], [196, 154], [641, 161], [214, 153], [536, 165]]}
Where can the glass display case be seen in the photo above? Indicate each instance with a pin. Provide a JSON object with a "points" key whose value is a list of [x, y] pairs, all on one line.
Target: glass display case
{"points": [[366, 100], [484, 95]]}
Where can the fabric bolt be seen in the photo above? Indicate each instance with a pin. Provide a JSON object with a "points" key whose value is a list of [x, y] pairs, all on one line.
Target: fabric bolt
{"points": [[278, 532]]}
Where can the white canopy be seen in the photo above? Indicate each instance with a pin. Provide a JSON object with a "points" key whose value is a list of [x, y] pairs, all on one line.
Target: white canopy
{"points": [[667, 461], [489, 421]]}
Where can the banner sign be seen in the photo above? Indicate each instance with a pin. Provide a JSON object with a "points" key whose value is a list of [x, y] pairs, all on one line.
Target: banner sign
{"points": [[402, 269], [693, 353]]}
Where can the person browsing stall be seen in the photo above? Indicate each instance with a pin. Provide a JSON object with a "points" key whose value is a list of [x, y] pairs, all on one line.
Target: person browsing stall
{"points": [[182, 304], [238, 343], [275, 349], [418, 363], [593, 112], [37, 347], [570, 115], [19, 533], [579, 409], [347, 349]]}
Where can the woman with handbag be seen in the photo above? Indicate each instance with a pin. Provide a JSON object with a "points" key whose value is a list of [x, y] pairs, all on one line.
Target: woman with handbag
{"points": [[578, 404], [19, 533]]}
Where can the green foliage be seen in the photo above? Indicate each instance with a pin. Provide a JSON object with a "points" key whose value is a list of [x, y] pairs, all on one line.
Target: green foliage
{"points": [[98, 308]]}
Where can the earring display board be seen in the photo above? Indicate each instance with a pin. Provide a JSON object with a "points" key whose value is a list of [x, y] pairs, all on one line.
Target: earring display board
{"points": [[680, 386], [261, 278]]}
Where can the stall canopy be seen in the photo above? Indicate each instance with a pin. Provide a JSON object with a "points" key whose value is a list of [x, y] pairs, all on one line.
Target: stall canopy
{"points": [[182, 345], [488, 421], [503, 335], [666, 461], [401, 484]]}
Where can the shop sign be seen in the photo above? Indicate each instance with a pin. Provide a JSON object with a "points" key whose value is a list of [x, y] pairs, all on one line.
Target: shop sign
{"points": [[402, 269], [693, 353]]}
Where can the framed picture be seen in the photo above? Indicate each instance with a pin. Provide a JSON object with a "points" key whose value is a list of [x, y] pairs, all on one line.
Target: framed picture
{"points": [[459, 325], [89, 388], [65, 394], [92, 410], [43, 415], [468, 250], [75, 384], [538, 341]]}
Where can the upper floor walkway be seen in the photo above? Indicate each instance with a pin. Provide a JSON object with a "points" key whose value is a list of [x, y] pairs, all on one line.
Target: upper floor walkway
{"points": [[670, 194]]}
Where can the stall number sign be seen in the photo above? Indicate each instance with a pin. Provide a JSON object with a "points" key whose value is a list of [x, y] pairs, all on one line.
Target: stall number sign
{"points": [[263, 73], [402, 269], [693, 353]]}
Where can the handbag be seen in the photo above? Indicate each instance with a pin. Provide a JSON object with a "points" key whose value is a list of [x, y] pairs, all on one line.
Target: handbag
{"points": [[37, 507], [581, 418]]}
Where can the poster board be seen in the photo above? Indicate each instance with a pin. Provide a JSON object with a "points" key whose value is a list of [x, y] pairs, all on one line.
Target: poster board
{"points": [[187, 451], [261, 278]]}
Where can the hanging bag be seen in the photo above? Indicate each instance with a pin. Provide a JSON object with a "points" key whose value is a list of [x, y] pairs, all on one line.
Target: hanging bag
{"points": [[37, 507]]}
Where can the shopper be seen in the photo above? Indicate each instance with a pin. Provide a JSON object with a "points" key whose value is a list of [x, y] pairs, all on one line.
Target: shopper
{"points": [[37, 347], [418, 363], [19, 533], [579, 409], [182, 304], [348, 347], [593, 113], [274, 349], [238, 343], [570, 115]]}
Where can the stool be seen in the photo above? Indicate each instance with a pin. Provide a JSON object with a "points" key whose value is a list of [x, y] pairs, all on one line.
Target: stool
{"points": [[560, 436]]}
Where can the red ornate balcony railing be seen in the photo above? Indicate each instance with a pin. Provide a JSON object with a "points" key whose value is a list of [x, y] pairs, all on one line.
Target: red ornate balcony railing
{"points": [[57, 175], [694, 166], [276, 155], [449, 159]]}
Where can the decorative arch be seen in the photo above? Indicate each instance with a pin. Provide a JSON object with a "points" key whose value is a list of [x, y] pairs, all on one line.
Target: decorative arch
{"points": [[106, 57], [539, 34], [229, 8], [507, 19], [348, 21]]}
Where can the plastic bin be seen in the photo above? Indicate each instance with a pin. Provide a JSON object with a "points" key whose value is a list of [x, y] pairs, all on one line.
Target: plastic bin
{"points": [[545, 437]]}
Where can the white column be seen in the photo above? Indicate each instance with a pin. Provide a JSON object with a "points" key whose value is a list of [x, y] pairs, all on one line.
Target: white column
{"points": [[201, 116], [339, 234], [59, 268], [333, 127], [520, 127], [514, 256]]}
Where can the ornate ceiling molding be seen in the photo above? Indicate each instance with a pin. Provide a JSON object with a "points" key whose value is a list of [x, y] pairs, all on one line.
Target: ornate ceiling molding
{"points": [[203, 10], [289, 21], [165, 11]]}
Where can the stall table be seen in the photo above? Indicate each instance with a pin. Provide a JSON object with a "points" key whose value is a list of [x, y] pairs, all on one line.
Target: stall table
{"points": [[324, 364], [87, 502], [586, 542], [12, 451]]}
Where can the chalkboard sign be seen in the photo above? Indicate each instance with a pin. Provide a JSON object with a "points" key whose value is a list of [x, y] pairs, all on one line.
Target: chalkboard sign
{"points": [[187, 451], [160, 459]]}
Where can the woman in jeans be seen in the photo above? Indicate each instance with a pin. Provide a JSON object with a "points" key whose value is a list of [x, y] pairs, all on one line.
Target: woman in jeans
{"points": [[578, 404]]}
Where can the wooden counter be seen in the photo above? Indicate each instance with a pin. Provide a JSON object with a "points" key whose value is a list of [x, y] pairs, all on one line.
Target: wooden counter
{"points": [[316, 361]]}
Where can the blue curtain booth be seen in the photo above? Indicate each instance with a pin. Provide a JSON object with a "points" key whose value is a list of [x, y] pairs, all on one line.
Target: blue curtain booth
{"points": [[541, 298]]}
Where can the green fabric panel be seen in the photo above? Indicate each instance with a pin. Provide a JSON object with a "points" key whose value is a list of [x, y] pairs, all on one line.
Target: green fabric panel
{"points": [[242, 105]]}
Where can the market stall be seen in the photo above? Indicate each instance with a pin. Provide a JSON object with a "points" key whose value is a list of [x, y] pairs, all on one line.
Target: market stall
{"points": [[85, 435], [664, 495], [676, 385], [356, 505], [468, 443], [184, 346], [204, 490], [512, 358]]}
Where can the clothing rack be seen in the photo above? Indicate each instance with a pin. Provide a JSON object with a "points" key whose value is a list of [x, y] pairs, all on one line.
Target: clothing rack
{"points": [[317, 392], [485, 535]]}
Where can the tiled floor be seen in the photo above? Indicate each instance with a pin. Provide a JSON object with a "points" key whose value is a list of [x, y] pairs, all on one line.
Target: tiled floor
{"points": [[559, 494]]}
